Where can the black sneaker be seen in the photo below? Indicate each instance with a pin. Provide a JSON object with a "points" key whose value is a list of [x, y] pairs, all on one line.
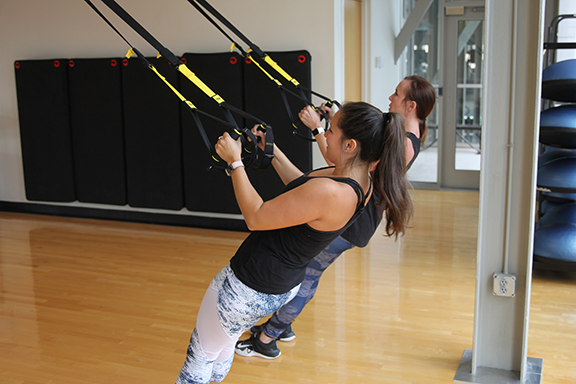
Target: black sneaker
{"points": [[287, 335], [254, 347]]}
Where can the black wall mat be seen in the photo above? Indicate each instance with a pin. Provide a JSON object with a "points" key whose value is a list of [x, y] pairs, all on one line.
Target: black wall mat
{"points": [[43, 111], [262, 98], [97, 130], [209, 191], [152, 136], [109, 131]]}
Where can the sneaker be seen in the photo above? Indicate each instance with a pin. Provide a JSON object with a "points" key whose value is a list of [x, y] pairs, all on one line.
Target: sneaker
{"points": [[287, 335], [254, 347]]}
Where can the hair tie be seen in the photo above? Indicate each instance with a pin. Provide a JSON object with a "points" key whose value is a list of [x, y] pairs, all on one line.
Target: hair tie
{"points": [[387, 118]]}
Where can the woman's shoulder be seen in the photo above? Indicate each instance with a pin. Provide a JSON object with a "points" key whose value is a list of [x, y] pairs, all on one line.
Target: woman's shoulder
{"points": [[321, 172]]}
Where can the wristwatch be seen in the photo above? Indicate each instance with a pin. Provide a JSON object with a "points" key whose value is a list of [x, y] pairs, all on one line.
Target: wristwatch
{"points": [[318, 131], [233, 166]]}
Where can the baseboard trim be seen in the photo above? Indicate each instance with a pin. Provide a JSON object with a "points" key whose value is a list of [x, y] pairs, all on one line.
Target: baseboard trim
{"points": [[128, 216]]}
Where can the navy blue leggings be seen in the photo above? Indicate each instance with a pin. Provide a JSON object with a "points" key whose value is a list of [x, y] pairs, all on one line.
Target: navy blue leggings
{"points": [[284, 316]]}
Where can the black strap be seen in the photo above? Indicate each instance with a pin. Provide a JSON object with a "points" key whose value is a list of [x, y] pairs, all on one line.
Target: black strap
{"points": [[228, 25], [118, 10]]}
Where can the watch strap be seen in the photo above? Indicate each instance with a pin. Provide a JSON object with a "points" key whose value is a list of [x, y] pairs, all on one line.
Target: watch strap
{"points": [[233, 166], [318, 131]]}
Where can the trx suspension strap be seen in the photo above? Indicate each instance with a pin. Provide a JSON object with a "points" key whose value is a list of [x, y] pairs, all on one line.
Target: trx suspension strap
{"points": [[279, 85], [248, 139], [254, 48]]}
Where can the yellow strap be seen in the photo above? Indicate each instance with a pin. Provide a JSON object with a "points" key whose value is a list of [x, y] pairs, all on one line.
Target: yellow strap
{"points": [[278, 69], [182, 98], [266, 73], [183, 69]]}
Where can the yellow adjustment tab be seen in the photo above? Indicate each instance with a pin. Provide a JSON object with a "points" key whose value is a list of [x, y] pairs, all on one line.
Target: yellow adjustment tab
{"points": [[232, 47], [183, 69], [189, 103], [158, 55], [279, 69], [218, 98], [130, 53]]}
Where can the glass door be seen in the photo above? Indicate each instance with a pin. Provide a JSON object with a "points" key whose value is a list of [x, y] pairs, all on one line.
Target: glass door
{"points": [[422, 58], [462, 98]]}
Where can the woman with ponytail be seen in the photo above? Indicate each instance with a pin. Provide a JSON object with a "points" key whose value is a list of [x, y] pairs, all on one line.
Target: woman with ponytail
{"points": [[414, 98], [291, 229]]}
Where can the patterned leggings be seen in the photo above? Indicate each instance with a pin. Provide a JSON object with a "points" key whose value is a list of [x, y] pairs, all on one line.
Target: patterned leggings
{"points": [[228, 309], [283, 317]]}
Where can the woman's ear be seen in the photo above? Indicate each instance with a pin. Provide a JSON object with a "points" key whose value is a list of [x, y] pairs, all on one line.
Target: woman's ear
{"points": [[351, 145], [412, 106]]}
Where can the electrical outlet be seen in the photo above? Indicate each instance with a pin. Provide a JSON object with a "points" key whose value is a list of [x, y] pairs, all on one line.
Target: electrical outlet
{"points": [[504, 285]]}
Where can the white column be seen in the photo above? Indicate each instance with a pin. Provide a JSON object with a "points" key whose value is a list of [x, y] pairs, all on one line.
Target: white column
{"points": [[511, 115]]}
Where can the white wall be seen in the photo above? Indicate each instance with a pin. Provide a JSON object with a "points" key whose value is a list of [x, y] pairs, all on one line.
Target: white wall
{"points": [[40, 29], [381, 18]]}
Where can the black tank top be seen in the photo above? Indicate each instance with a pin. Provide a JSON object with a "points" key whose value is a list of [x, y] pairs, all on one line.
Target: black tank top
{"points": [[362, 230], [275, 261], [416, 145]]}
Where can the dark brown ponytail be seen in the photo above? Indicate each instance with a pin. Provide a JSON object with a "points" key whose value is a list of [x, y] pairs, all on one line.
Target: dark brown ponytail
{"points": [[381, 137], [423, 94]]}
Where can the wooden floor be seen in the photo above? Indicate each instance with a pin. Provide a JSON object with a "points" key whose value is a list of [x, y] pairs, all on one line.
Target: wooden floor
{"points": [[87, 301]]}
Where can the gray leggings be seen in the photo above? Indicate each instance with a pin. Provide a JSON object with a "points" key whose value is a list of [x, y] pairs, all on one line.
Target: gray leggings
{"points": [[229, 308]]}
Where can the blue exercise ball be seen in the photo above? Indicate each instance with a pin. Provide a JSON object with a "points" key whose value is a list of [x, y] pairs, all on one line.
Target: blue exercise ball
{"points": [[547, 205], [559, 81], [555, 243], [561, 214], [558, 175], [553, 154], [560, 197], [558, 126]]}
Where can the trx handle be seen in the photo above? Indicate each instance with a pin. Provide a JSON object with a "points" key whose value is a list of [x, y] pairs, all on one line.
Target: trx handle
{"points": [[266, 156]]}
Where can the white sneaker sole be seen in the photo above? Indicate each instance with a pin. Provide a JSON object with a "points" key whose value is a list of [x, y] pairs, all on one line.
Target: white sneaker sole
{"points": [[289, 338]]}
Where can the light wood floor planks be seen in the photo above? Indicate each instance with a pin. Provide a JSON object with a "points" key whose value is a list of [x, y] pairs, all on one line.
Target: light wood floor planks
{"points": [[88, 301]]}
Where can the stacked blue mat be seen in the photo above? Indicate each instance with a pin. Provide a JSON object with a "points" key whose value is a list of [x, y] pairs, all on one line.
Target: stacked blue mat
{"points": [[555, 236]]}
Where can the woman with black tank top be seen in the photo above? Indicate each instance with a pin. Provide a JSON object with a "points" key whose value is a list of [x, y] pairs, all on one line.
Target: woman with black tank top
{"points": [[414, 98], [289, 230]]}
